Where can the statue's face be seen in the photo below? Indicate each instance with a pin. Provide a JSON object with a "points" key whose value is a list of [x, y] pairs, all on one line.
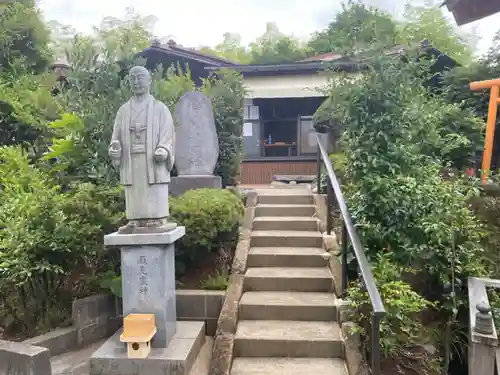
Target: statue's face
{"points": [[140, 80]]}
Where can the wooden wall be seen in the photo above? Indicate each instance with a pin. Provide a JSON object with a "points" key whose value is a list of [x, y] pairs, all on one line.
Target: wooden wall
{"points": [[256, 172]]}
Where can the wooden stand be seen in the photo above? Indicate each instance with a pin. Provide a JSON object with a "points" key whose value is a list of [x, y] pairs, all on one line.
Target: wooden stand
{"points": [[138, 330]]}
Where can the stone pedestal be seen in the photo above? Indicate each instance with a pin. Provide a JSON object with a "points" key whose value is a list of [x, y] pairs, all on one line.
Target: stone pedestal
{"points": [[177, 359], [180, 184], [148, 278], [148, 283]]}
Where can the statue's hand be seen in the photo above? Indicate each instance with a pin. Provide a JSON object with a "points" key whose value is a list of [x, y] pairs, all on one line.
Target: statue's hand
{"points": [[161, 155], [115, 150]]}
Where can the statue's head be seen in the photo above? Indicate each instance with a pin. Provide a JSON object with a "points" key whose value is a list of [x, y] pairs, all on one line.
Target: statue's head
{"points": [[140, 80]]}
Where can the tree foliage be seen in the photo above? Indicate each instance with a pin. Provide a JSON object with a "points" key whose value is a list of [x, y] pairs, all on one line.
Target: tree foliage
{"points": [[231, 49], [358, 28], [274, 47], [23, 36], [354, 29], [423, 23], [115, 39]]}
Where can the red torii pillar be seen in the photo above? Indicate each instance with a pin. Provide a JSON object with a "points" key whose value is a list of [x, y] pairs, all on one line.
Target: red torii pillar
{"points": [[494, 86]]}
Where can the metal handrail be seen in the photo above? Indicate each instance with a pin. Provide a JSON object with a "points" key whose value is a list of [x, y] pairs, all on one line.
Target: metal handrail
{"points": [[349, 233]]}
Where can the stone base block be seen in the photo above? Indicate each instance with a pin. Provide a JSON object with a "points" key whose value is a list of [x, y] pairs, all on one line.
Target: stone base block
{"points": [[180, 184], [18, 358], [176, 359]]}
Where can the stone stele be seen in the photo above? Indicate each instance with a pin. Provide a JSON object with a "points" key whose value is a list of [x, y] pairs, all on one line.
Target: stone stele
{"points": [[197, 144]]}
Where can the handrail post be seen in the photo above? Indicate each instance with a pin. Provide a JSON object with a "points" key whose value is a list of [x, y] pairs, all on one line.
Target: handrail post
{"points": [[318, 171], [375, 359], [329, 205], [344, 239]]}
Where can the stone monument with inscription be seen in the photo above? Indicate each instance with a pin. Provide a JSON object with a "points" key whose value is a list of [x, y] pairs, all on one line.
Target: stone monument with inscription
{"points": [[142, 147], [197, 144]]}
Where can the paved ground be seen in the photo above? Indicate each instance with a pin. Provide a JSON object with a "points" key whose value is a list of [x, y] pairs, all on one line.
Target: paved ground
{"points": [[76, 363], [202, 364]]}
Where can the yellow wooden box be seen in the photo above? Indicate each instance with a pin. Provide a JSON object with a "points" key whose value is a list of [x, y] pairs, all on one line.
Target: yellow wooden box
{"points": [[138, 330]]}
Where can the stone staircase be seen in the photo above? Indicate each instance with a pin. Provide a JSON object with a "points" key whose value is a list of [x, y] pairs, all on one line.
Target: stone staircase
{"points": [[287, 318]]}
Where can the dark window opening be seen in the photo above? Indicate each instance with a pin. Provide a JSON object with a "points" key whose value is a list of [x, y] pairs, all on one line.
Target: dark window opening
{"points": [[286, 126], [280, 138]]}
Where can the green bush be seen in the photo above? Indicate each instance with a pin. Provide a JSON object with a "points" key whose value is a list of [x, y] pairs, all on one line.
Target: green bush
{"points": [[487, 209], [401, 327], [338, 161], [48, 240], [211, 218]]}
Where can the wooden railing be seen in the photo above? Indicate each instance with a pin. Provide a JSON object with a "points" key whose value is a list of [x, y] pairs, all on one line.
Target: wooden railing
{"points": [[350, 236]]}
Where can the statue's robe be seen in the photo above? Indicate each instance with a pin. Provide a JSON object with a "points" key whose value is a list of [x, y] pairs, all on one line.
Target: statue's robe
{"points": [[142, 128]]}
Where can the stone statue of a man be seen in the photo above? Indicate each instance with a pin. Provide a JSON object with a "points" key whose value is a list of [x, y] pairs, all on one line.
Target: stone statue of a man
{"points": [[142, 148]]}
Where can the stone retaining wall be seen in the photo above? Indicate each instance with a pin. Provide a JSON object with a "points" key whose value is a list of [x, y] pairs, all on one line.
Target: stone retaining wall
{"points": [[94, 318]]}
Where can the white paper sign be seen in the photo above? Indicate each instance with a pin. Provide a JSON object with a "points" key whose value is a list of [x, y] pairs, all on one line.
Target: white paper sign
{"points": [[311, 138], [247, 129]]}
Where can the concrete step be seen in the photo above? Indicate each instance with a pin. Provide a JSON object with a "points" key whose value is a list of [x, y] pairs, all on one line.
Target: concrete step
{"points": [[286, 257], [302, 223], [288, 366], [285, 210], [285, 199], [286, 238], [295, 279], [298, 306], [273, 338]]}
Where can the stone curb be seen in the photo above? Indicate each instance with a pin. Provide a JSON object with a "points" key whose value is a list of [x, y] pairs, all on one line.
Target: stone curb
{"points": [[355, 361], [222, 352]]}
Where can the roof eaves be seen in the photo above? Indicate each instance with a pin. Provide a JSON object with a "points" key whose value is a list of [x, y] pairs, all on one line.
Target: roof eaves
{"points": [[176, 51], [290, 67], [450, 4], [202, 55]]}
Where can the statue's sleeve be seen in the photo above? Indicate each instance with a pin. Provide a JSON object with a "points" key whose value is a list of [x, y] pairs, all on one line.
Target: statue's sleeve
{"points": [[116, 136], [166, 136]]}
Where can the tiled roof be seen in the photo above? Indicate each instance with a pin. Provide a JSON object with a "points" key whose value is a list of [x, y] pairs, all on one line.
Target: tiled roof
{"points": [[189, 53], [330, 56]]}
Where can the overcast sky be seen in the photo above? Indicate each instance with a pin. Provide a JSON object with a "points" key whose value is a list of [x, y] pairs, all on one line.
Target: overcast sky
{"points": [[200, 22]]}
